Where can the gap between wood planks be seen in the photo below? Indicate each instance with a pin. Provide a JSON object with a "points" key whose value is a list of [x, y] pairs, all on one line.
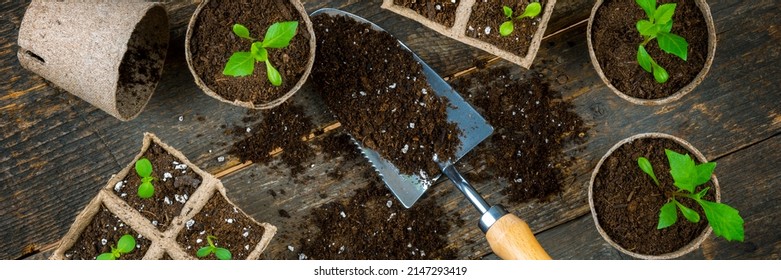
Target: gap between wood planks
{"points": [[236, 166]]}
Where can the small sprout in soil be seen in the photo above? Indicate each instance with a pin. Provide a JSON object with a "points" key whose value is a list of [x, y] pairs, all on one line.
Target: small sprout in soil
{"points": [[144, 170], [658, 26], [725, 220], [531, 11], [277, 36], [220, 253], [125, 245]]}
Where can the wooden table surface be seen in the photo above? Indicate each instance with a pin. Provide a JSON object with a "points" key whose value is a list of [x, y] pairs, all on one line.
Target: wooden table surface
{"points": [[57, 151]]}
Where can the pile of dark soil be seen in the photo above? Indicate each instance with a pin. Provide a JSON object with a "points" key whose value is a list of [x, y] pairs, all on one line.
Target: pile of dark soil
{"points": [[372, 224], [380, 95], [487, 16], [627, 202], [338, 145], [616, 39], [439, 11], [281, 127], [532, 125], [213, 42]]}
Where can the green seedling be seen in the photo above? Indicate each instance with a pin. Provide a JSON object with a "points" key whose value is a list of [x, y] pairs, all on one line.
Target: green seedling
{"points": [[144, 170], [125, 245], [658, 26], [725, 220], [277, 36], [220, 253], [531, 11]]}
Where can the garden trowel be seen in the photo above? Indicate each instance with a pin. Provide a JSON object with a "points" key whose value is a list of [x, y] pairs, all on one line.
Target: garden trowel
{"points": [[509, 236]]}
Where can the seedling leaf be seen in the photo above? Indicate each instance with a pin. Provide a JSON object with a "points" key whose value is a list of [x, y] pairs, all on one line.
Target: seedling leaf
{"points": [[204, 251], [688, 213], [146, 190], [682, 169], [645, 60], [506, 28], [532, 10], [273, 74], [258, 52], [664, 13], [280, 34], [660, 75], [645, 165], [126, 244], [673, 44], [508, 12], [667, 27], [105, 257], [701, 193], [242, 31], [646, 28], [239, 64], [649, 6], [667, 215], [143, 167], [725, 220], [223, 254]]}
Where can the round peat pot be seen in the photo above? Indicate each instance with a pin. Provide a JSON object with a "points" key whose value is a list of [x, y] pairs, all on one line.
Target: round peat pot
{"points": [[625, 202], [613, 41], [109, 54], [210, 42]]}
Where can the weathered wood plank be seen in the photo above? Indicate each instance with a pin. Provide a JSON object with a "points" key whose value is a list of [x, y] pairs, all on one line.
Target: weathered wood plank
{"points": [[756, 197]]}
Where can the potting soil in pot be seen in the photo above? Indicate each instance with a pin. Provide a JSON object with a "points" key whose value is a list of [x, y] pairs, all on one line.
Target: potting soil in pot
{"points": [[487, 16], [103, 232], [628, 202], [175, 183], [380, 95], [439, 11], [213, 42], [532, 126], [233, 230], [616, 39]]}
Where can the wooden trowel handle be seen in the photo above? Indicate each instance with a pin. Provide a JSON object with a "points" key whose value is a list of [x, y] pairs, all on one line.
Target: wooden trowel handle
{"points": [[512, 239]]}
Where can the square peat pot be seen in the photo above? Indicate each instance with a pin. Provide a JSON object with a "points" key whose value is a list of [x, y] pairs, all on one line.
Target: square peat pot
{"points": [[188, 206], [477, 23]]}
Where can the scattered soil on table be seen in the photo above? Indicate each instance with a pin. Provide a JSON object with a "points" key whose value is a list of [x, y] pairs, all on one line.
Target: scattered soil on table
{"points": [[627, 202], [380, 95], [104, 231], [439, 11], [281, 127], [615, 40], [175, 183], [338, 145], [532, 126], [233, 229], [372, 224], [213, 42], [487, 16]]}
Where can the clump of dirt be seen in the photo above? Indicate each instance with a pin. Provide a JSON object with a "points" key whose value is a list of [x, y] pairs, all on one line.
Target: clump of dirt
{"points": [[380, 95], [372, 224], [338, 145], [282, 127], [532, 126]]}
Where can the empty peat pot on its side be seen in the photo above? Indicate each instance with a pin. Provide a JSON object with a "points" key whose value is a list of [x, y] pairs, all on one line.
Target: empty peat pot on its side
{"points": [[613, 41], [109, 54], [210, 42], [625, 202]]}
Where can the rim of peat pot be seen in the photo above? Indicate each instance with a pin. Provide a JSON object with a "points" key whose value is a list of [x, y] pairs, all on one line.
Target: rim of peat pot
{"points": [[694, 244], [706, 13], [249, 104]]}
